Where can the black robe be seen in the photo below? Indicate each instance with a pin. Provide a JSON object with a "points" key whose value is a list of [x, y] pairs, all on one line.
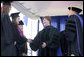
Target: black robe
{"points": [[23, 49], [20, 41], [7, 47], [71, 36], [64, 43], [8, 36], [51, 37]]}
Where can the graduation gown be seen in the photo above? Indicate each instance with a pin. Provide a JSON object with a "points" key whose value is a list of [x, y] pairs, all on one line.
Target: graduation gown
{"points": [[7, 40], [22, 47], [50, 36], [20, 41], [9, 35], [75, 45]]}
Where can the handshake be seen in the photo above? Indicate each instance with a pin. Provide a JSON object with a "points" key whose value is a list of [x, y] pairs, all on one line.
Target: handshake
{"points": [[29, 40], [43, 44]]}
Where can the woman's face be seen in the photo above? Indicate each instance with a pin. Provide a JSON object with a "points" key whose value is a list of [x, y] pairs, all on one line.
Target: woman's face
{"points": [[46, 22], [17, 20]]}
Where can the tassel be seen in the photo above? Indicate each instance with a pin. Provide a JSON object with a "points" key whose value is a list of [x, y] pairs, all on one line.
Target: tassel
{"points": [[70, 11]]}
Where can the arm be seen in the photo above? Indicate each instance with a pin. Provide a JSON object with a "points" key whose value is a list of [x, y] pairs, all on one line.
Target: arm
{"points": [[35, 44]]}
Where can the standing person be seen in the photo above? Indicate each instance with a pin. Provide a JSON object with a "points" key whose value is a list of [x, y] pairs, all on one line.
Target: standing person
{"points": [[74, 32], [24, 47], [8, 36], [47, 40], [7, 42], [19, 37]]}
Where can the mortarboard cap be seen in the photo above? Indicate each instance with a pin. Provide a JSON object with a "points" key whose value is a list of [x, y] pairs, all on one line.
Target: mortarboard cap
{"points": [[15, 15], [21, 23], [78, 10]]}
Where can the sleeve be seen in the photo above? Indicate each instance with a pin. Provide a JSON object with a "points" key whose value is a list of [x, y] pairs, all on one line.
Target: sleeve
{"points": [[36, 42]]}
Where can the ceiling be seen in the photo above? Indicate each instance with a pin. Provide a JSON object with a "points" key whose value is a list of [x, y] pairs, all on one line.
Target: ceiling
{"points": [[47, 8]]}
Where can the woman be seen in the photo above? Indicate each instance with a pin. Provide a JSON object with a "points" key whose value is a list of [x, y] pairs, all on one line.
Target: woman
{"points": [[15, 22], [47, 40], [24, 47]]}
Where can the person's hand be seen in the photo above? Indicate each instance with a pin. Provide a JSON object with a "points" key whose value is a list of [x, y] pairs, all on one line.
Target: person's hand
{"points": [[43, 45], [15, 43], [30, 40]]}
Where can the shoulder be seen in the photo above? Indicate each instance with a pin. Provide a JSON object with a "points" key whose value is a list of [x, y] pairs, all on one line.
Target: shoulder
{"points": [[54, 29], [73, 17], [39, 33]]}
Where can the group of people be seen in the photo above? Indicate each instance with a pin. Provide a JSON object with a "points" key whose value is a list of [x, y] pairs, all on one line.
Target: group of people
{"points": [[47, 41], [13, 42]]}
